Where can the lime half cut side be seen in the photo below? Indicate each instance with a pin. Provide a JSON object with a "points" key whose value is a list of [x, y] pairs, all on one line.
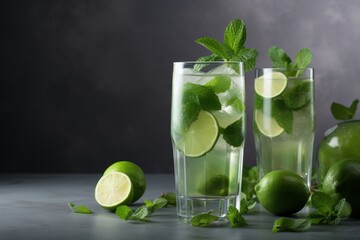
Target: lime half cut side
{"points": [[267, 125], [200, 137], [114, 189], [270, 84]]}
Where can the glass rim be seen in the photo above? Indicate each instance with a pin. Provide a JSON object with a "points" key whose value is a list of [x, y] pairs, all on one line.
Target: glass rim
{"points": [[269, 68], [207, 62]]}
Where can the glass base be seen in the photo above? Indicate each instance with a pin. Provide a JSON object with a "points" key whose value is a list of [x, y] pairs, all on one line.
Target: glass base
{"points": [[187, 207]]}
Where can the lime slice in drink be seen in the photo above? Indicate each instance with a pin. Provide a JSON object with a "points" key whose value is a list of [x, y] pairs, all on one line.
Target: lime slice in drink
{"points": [[267, 125], [114, 189], [200, 137], [270, 84]]}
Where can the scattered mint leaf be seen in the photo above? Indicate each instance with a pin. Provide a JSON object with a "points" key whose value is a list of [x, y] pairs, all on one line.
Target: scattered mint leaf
{"points": [[341, 112], [235, 218], [156, 204], [298, 96], [79, 209], [141, 212], [291, 225], [203, 219], [219, 83], [233, 134], [170, 197], [124, 212], [328, 209], [232, 49]]}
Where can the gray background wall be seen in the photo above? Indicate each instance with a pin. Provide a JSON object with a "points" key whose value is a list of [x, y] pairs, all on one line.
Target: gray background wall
{"points": [[87, 83]]}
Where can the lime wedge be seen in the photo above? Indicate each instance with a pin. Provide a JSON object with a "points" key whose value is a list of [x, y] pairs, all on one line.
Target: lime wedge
{"points": [[114, 189], [267, 125], [200, 137], [270, 84]]}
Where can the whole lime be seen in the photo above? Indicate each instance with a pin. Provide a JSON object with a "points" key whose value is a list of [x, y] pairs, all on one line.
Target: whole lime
{"points": [[340, 142], [282, 192], [135, 174], [342, 180]]}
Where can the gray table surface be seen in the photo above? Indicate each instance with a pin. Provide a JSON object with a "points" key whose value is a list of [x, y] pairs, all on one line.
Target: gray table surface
{"points": [[35, 207]]}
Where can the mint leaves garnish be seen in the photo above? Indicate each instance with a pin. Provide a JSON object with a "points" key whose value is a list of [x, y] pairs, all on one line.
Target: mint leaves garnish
{"points": [[341, 112], [298, 96], [291, 225], [280, 59], [79, 208], [232, 48], [282, 114], [219, 83]]}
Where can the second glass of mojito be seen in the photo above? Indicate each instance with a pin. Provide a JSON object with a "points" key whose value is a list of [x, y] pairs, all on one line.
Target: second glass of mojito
{"points": [[207, 131], [284, 120]]}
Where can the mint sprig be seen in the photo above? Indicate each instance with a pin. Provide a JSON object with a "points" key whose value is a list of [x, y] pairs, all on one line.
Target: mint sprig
{"points": [[329, 210], [141, 213], [79, 208], [170, 197], [232, 48], [235, 218], [280, 59], [341, 112], [291, 225]]}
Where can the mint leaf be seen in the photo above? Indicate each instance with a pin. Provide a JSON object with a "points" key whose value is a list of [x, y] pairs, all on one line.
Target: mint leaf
{"points": [[124, 212], [279, 57], [156, 204], [248, 57], [235, 35], [213, 46], [212, 57], [203, 219], [302, 60], [283, 115], [233, 48], [204, 96], [298, 96], [291, 225], [219, 83], [328, 209], [235, 218], [141, 213], [79, 209], [233, 134], [246, 203], [341, 112], [236, 103], [249, 180], [170, 197]]}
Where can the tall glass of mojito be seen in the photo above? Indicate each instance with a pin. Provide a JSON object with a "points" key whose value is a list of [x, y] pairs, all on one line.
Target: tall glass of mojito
{"points": [[284, 120], [207, 131]]}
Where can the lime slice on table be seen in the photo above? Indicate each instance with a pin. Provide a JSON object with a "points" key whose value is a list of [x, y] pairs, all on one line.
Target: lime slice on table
{"points": [[270, 84], [114, 189], [200, 137], [267, 125]]}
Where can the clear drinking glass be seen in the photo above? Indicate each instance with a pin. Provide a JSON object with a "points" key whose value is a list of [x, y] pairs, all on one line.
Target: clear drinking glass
{"points": [[284, 120], [207, 131]]}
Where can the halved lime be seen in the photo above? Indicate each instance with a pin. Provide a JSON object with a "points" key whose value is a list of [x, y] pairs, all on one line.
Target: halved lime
{"points": [[114, 189], [200, 137], [267, 125], [270, 84]]}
